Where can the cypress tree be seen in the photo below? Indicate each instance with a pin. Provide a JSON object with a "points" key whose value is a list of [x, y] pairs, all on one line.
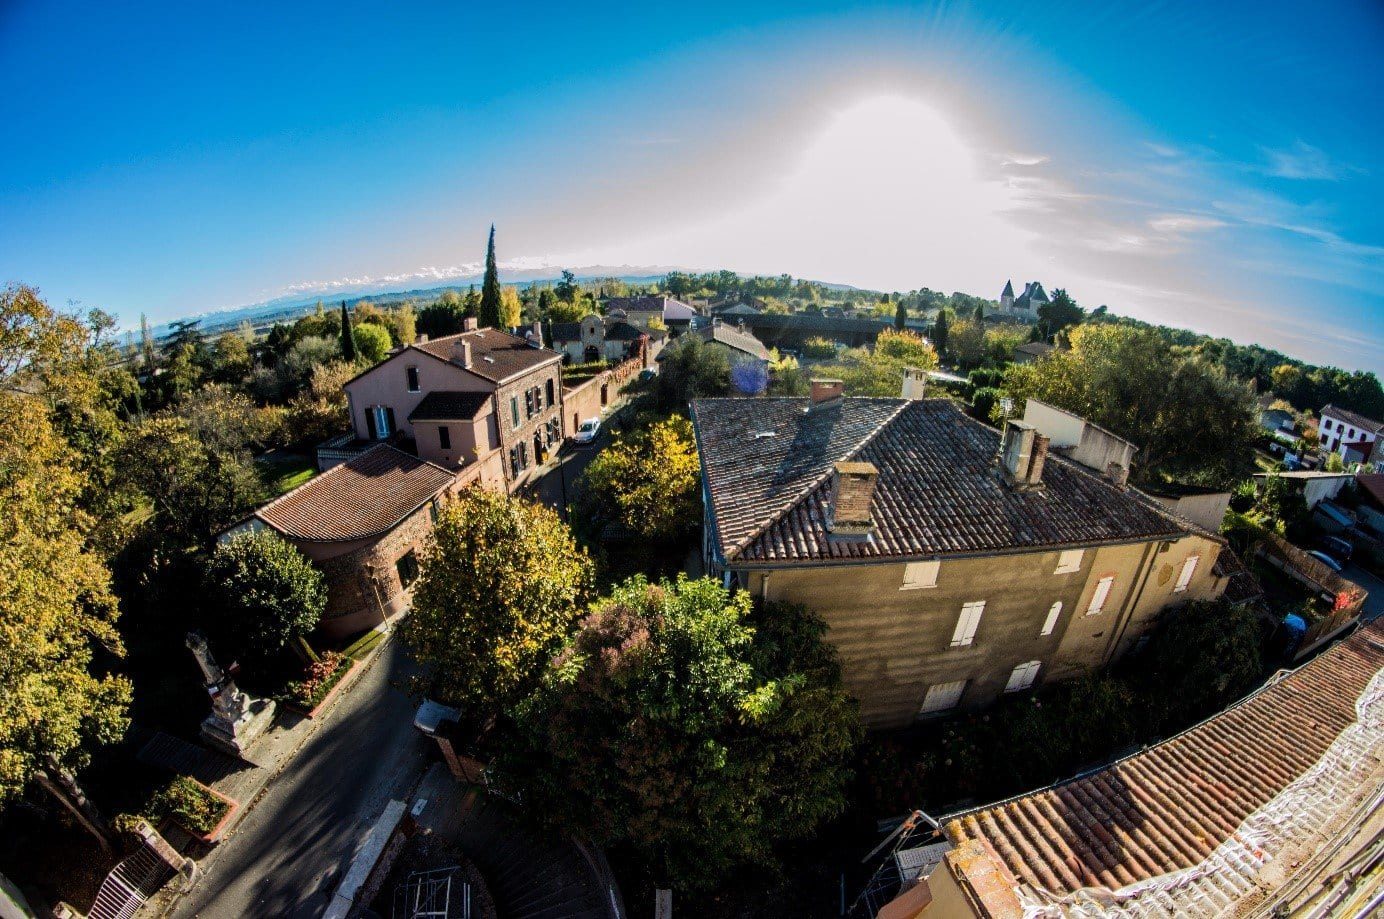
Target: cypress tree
{"points": [[939, 332], [490, 288], [348, 335], [980, 312], [900, 316]]}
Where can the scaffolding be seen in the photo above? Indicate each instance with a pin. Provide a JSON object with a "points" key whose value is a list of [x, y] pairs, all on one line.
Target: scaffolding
{"points": [[435, 894], [913, 852]]}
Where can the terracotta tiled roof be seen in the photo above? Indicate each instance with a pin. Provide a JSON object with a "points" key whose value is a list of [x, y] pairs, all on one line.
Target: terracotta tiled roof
{"points": [[767, 464], [443, 405], [495, 355], [1036, 348], [1369, 425], [1168, 807], [1374, 486], [362, 497]]}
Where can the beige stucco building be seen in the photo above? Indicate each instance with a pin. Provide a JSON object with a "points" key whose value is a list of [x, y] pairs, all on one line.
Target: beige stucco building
{"points": [[951, 565]]}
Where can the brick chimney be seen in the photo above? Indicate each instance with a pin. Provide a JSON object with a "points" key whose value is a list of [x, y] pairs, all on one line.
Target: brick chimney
{"points": [[914, 383], [827, 393], [461, 353], [469, 324], [852, 491]]}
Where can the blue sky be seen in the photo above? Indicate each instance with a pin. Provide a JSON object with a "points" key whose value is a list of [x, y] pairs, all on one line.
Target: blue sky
{"points": [[1209, 165]]}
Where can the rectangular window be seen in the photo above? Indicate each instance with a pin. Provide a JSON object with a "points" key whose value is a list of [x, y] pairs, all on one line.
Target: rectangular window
{"points": [[528, 403], [550, 393], [514, 409], [1100, 595], [382, 422], [942, 697], [412, 379], [1189, 568], [1326, 425], [444, 437], [407, 567], [1023, 676], [514, 467], [1050, 623], [524, 455], [967, 624], [1069, 561], [920, 574]]}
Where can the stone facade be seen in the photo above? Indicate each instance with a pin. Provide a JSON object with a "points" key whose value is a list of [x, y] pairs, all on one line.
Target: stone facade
{"points": [[897, 636], [529, 410]]}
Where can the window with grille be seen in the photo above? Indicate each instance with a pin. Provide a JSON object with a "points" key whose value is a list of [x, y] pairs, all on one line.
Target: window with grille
{"points": [[942, 697], [1100, 595], [1069, 561], [1023, 676], [967, 623], [1050, 623], [920, 574], [1189, 568]]}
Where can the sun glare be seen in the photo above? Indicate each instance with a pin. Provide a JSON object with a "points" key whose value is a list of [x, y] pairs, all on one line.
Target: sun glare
{"points": [[888, 193]]}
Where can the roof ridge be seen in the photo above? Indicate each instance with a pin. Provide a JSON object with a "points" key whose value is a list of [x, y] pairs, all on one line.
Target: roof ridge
{"points": [[815, 483]]}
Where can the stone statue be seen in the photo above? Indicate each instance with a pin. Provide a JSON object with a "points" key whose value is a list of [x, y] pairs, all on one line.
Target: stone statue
{"points": [[236, 720]]}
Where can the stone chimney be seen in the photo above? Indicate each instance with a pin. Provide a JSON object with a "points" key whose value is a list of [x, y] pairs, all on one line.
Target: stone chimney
{"points": [[914, 383], [469, 324], [422, 338], [536, 330], [827, 393], [1119, 475], [852, 491], [1023, 452], [461, 353]]}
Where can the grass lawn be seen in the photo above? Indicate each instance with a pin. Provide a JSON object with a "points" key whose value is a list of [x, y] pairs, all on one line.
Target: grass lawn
{"points": [[283, 471]]}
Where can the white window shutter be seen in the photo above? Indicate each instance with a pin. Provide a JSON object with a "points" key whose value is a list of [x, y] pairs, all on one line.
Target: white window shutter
{"points": [[1051, 622], [942, 697], [1023, 676], [967, 623], [1069, 561], [920, 574], [1100, 595], [1189, 568]]}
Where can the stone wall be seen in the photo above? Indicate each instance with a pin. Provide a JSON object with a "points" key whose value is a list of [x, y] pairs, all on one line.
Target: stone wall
{"points": [[588, 399], [512, 434]]}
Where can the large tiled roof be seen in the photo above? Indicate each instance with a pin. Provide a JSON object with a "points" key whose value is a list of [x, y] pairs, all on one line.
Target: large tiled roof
{"points": [[362, 497], [444, 405], [1170, 807], [767, 464], [1354, 419], [495, 355]]}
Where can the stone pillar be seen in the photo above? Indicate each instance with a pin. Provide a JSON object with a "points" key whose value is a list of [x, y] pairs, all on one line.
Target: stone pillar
{"points": [[236, 720]]}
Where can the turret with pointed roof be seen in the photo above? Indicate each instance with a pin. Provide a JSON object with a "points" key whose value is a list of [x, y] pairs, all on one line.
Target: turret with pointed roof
{"points": [[1007, 296]]}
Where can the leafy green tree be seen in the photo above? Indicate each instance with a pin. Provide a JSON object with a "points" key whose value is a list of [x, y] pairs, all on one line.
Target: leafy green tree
{"points": [[966, 341], [566, 289], [490, 307], [402, 323], [1203, 656], [230, 358], [501, 587], [691, 370], [900, 316], [650, 481], [319, 412], [264, 593], [1059, 313], [373, 341], [442, 317], [979, 314], [1163, 400], [348, 336], [58, 607], [691, 731], [195, 491]]}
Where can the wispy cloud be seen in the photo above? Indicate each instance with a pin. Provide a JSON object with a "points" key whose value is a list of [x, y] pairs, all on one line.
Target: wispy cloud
{"points": [[418, 275], [1025, 159], [1303, 161]]}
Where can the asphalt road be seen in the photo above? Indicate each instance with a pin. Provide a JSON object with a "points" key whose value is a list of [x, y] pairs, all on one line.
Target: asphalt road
{"points": [[288, 854], [573, 460], [1374, 603]]}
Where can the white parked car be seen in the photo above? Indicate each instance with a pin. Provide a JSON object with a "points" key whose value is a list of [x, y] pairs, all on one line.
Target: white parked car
{"points": [[588, 430]]}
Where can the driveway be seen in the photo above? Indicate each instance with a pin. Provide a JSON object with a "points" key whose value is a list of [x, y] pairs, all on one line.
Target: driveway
{"points": [[288, 854]]}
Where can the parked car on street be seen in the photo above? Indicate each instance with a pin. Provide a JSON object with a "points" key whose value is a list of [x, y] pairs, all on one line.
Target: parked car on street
{"points": [[587, 431], [1339, 548], [1326, 560]]}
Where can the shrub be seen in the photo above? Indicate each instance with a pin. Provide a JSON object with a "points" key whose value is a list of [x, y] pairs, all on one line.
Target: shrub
{"points": [[819, 348], [321, 675], [190, 804], [984, 402]]}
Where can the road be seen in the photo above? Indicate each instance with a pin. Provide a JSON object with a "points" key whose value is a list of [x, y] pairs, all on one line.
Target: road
{"points": [[1374, 603], [572, 462], [288, 854]]}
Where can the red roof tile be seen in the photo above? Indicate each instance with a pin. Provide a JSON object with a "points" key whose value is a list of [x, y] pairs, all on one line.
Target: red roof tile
{"points": [[362, 497], [495, 355], [1170, 806]]}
